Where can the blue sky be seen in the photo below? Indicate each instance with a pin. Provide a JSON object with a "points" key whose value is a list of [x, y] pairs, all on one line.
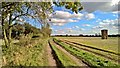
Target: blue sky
{"points": [[85, 22], [91, 20]]}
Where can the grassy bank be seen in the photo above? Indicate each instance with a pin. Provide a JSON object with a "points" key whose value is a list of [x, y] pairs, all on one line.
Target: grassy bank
{"points": [[25, 52]]}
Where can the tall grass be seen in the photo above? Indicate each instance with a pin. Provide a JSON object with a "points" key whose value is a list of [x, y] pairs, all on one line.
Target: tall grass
{"points": [[27, 52]]}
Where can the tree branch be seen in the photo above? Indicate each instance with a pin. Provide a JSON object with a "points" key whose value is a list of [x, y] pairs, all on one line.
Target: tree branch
{"points": [[7, 5], [21, 14]]}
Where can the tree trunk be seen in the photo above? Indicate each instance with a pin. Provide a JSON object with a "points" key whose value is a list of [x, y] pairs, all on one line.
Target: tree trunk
{"points": [[5, 37], [9, 36], [10, 29], [4, 33]]}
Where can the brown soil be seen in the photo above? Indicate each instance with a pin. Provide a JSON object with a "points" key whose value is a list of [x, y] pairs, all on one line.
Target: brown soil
{"points": [[51, 60]]}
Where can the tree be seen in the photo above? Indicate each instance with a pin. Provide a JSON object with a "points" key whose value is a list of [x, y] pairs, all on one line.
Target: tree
{"points": [[17, 30], [46, 31], [12, 11], [74, 6], [23, 29], [30, 29]]}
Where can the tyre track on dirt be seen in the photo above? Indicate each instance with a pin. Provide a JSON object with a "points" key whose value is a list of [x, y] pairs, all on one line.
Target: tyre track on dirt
{"points": [[76, 60], [105, 56], [88, 65], [51, 60], [58, 62]]}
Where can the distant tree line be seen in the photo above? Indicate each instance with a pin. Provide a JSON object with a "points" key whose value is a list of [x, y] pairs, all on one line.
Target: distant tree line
{"points": [[81, 35]]}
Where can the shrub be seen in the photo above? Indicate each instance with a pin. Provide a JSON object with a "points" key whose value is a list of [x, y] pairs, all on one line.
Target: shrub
{"points": [[25, 40]]}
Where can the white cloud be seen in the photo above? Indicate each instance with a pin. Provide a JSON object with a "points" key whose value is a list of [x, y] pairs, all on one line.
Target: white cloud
{"points": [[76, 27], [62, 17], [55, 30], [86, 25], [110, 23], [101, 23], [59, 31], [66, 17], [78, 16], [90, 16], [69, 30], [62, 14], [81, 29], [114, 2], [116, 12], [107, 21], [60, 22], [99, 20], [115, 15], [97, 27]]}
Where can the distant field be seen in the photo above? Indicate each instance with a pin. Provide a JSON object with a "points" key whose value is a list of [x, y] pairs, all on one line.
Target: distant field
{"points": [[110, 44]]}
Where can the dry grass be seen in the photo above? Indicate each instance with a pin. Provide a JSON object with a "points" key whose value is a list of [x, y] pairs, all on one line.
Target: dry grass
{"points": [[32, 54], [1, 41]]}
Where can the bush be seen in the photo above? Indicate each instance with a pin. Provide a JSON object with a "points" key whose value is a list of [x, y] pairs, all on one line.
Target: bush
{"points": [[25, 40]]}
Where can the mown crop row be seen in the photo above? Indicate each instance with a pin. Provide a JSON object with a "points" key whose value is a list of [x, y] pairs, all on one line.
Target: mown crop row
{"points": [[63, 59], [110, 44], [109, 56], [91, 59], [94, 48]]}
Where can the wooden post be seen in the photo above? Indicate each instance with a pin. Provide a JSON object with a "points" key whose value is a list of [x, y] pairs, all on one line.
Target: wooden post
{"points": [[104, 34]]}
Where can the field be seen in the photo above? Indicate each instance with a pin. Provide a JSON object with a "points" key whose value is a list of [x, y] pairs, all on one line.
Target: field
{"points": [[86, 49], [107, 44], [64, 52]]}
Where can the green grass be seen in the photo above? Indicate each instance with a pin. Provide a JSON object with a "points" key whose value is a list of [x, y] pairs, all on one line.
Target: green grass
{"points": [[66, 60], [92, 59], [100, 52], [110, 44]]}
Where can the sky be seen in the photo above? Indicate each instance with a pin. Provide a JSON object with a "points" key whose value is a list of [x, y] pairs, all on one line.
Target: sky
{"points": [[95, 17]]}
